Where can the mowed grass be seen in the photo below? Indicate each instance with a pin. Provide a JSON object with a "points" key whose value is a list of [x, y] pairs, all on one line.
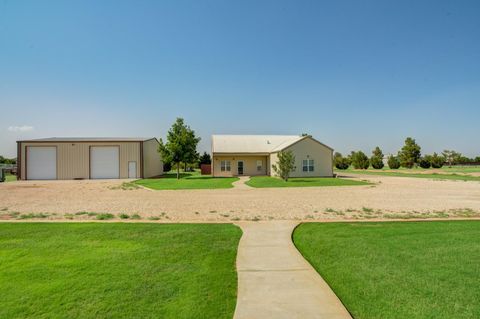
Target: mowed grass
{"points": [[187, 181], [414, 173], [398, 269], [267, 181], [95, 270], [10, 178]]}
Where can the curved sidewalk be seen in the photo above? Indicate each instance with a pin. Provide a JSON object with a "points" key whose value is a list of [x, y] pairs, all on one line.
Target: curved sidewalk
{"points": [[275, 281]]}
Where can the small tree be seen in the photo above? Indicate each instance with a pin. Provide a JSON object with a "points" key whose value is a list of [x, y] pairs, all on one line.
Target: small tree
{"points": [[341, 162], [359, 160], [410, 153], [393, 162], [205, 158], [451, 157], [181, 145], [377, 158], [285, 164], [437, 161]]}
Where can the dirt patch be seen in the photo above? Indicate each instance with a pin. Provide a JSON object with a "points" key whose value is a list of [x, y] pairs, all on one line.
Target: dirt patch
{"points": [[397, 197]]}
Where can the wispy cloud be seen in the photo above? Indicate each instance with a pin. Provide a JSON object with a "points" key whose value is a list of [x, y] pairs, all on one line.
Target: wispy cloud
{"points": [[23, 128]]}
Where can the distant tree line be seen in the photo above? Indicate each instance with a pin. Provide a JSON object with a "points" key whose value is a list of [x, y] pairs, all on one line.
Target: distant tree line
{"points": [[4, 160], [409, 156]]}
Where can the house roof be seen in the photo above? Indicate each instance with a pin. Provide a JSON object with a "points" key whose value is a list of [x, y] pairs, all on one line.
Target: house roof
{"points": [[252, 143], [90, 139]]}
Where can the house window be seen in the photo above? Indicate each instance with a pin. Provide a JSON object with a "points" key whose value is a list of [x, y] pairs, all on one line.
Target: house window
{"points": [[225, 166], [259, 165], [308, 165]]}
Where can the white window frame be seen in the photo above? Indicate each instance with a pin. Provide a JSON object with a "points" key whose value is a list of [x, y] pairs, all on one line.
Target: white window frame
{"points": [[225, 166], [308, 165], [259, 167]]}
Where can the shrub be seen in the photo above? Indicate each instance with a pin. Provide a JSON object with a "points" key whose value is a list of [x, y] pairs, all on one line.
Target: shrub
{"points": [[424, 162], [437, 161], [393, 162], [340, 162], [360, 160], [124, 216], [105, 216], [377, 158], [136, 216], [167, 167]]}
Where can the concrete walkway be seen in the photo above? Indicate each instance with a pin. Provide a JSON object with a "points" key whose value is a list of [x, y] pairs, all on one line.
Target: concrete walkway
{"points": [[240, 184], [275, 281]]}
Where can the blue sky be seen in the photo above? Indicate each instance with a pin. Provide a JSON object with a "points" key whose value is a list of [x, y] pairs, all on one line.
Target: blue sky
{"points": [[355, 74]]}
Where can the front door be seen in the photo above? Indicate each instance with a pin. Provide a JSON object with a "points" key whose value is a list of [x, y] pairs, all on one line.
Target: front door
{"points": [[240, 167]]}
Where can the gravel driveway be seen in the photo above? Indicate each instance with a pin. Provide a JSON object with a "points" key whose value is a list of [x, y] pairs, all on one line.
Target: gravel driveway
{"points": [[393, 196]]}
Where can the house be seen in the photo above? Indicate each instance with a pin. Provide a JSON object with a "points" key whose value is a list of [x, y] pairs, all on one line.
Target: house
{"points": [[234, 155], [88, 158]]}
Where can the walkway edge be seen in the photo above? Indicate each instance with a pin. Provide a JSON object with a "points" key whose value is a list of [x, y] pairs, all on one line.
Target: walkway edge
{"points": [[275, 281]]}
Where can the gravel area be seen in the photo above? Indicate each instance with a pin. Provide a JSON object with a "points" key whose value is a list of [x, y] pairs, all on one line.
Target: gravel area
{"points": [[387, 197]]}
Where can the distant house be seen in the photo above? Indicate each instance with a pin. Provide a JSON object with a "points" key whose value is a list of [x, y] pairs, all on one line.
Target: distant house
{"points": [[88, 158], [234, 155]]}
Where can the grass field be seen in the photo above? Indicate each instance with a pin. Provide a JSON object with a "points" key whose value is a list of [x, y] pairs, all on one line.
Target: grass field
{"points": [[10, 178], [398, 269], [93, 270], [187, 181], [413, 173], [267, 181]]}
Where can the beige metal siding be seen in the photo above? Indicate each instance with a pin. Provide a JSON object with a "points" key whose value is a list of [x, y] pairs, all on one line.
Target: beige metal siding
{"points": [[249, 165], [273, 159], [152, 160], [310, 149], [73, 159]]}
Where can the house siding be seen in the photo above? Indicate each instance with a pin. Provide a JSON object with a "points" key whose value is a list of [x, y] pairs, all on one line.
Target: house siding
{"points": [[249, 166], [310, 149]]}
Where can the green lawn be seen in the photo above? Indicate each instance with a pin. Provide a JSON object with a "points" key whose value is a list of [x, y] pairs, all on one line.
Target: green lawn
{"points": [[95, 270], [267, 181], [10, 178], [187, 181], [413, 174], [398, 269]]}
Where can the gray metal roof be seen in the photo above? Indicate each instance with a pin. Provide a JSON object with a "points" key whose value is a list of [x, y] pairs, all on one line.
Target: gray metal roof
{"points": [[90, 139]]}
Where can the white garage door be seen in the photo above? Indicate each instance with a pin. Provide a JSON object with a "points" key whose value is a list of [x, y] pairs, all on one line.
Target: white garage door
{"points": [[41, 162], [104, 162]]}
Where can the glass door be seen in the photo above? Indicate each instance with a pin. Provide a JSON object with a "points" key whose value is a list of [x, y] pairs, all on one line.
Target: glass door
{"points": [[240, 167]]}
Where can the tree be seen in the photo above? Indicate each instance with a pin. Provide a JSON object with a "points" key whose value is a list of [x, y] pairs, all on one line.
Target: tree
{"points": [[451, 157], [181, 145], [4, 160], [393, 162], [341, 162], [425, 161], [359, 160], [377, 158], [205, 159], [477, 159], [437, 161], [285, 164], [410, 153]]}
